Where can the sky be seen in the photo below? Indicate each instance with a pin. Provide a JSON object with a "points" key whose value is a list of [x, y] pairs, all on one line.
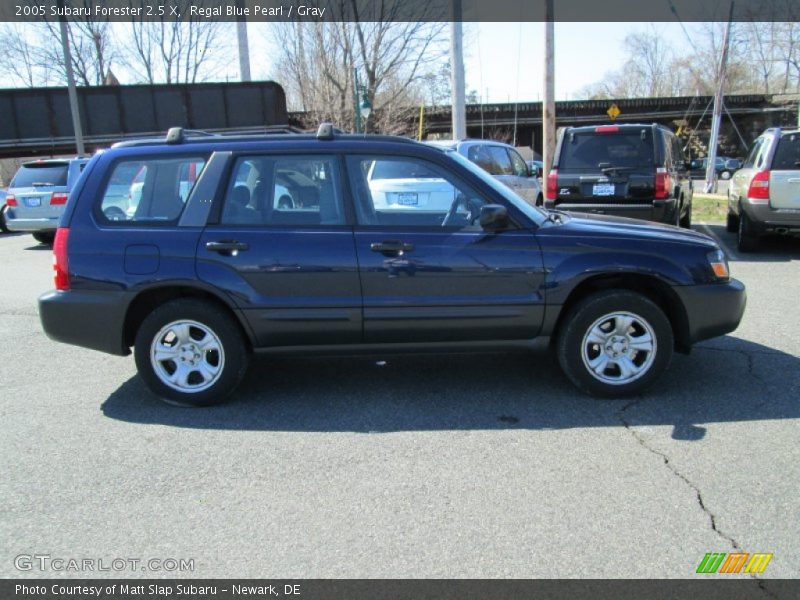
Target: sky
{"points": [[504, 62]]}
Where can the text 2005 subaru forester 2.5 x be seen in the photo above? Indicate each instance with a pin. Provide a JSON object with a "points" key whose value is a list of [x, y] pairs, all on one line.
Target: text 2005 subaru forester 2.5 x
{"points": [[280, 242]]}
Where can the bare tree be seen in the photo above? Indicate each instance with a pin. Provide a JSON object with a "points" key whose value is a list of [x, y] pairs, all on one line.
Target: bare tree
{"points": [[169, 51], [316, 61]]}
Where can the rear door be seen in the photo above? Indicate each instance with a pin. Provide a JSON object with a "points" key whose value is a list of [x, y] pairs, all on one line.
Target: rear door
{"points": [[784, 185], [607, 165], [282, 249]]}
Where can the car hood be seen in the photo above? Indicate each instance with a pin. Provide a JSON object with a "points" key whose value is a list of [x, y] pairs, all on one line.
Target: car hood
{"points": [[587, 225]]}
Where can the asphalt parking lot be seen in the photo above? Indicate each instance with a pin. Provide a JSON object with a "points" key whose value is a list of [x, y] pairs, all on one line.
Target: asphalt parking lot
{"points": [[472, 465]]}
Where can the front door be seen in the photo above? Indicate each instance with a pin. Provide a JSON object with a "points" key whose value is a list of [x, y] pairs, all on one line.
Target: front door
{"points": [[283, 251], [429, 273]]}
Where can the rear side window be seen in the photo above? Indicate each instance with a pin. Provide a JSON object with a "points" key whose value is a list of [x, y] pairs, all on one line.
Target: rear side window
{"points": [[787, 154], [40, 175], [149, 190], [590, 151], [297, 191]]}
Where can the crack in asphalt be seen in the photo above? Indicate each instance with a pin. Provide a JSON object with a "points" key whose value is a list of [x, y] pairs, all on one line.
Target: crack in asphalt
{"points": [[747, 354], [699, 496]]}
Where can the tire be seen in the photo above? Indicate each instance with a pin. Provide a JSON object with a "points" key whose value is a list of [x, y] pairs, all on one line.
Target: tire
{"points": [[44, 237], [732, 223], [686, 220], [725, 175], [746, 238], [3, 227], [539, 200], [211, 374], [602, 313]]}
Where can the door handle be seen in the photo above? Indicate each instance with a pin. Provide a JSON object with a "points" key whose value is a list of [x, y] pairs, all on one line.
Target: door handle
{"points": [[391, 247], [227, 247]]}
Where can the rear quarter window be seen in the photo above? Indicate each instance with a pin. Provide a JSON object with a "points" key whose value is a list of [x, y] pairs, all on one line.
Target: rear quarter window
{"points": [[787, 154], [591, 151], [40, 175], [148, 190]]}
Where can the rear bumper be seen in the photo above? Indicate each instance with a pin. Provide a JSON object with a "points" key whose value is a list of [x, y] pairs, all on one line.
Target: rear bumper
{"points": [[15, 224], [88, 319], [765, 219], [661, 211], [714, 309]]}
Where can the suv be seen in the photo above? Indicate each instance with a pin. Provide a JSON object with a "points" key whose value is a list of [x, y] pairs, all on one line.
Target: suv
{"points": [[502, 161], [209, 268], [37, 195], [631, 170], [764, 195]]}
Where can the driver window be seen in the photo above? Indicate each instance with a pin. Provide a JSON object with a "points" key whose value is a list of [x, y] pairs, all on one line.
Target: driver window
{"points": [[405, 192]]}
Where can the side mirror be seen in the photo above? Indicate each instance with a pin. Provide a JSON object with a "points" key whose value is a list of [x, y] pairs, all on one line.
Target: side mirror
{"points": [[494, 217]]}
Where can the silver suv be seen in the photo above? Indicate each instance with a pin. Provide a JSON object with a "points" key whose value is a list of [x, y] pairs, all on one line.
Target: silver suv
{"points": [[503, 162], [38, 193], [764, 195]]}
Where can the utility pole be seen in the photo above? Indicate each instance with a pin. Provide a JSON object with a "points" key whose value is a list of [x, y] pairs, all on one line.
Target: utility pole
{"points": [[71, 91], [457, 90], [244, 47], [549, 105], [716, 119]]}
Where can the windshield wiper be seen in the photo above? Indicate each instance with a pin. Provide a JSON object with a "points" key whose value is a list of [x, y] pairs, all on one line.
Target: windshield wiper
{"points": [[41, 183], [607, 170]]}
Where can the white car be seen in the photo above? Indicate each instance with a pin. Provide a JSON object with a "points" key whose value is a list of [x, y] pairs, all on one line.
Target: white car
{"points": [[402, 186]]}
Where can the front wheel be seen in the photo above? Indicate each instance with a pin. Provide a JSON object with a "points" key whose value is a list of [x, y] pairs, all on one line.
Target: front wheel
{"points": [[191, 353], [615, 343]]}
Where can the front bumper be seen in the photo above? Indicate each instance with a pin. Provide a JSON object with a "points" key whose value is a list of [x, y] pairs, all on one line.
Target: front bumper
{"points": [[713, 309], [661, 211], [93, 320]]}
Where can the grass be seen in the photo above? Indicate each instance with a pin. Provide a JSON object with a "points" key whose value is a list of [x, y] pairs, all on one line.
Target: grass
{"points": [[709, 207]]}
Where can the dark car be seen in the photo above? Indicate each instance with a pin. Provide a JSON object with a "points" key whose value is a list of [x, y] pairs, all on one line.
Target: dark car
{"points": [[724, 167], [629, 170], [208, 268]]}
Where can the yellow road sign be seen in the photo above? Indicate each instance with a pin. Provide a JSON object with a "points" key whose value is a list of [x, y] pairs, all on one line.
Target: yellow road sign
{"points": [[613, 111]]}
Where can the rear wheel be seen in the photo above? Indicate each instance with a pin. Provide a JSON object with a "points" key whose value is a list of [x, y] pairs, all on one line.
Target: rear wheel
{"points": [[746, 239], [686, 220], [191, 353], [615, 343], [44, 237], [732, 222], [3, 227]]}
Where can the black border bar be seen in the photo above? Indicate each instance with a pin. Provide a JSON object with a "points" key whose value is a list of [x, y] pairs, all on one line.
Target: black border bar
{"points": [[401, 10]]}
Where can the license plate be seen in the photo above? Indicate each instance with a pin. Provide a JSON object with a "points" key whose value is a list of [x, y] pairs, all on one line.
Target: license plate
{"points": [[407, 199], [33, 202], [603, 189]]}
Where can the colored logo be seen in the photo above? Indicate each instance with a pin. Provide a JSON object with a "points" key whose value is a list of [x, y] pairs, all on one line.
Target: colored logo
{"points": [[736, 562]]}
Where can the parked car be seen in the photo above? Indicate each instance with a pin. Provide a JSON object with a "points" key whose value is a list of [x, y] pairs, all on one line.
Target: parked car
{"points": [[193, 288], [3, 227], [724, 167], [37, 195], [764, 195], [628, 170], [537, 168], [503, 162]]}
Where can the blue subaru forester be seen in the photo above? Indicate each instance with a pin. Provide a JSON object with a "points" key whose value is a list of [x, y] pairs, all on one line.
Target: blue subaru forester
{"points": [[197, 250]]}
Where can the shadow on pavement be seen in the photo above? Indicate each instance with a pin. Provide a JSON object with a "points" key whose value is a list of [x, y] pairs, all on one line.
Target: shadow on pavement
{"points": [[725, 380]]}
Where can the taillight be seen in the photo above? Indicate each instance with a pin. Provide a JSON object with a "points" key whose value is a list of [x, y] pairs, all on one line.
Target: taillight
{"points": [[60, 258], [11, 200], [663, 184], [552, 184], [58, 198], [759, 187]]}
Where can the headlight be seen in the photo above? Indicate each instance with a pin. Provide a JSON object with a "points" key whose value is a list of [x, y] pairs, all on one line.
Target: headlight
{"points": [[719, 264]]}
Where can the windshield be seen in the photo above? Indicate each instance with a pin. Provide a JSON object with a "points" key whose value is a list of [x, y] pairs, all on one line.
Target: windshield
{"points": [[44, 174], [536, 214]]}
